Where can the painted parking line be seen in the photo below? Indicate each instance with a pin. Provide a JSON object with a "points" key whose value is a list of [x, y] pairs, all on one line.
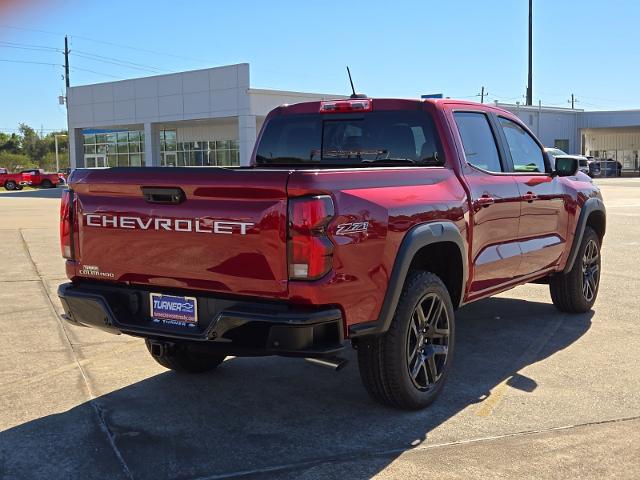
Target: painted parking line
{"points": [[496, 394]]}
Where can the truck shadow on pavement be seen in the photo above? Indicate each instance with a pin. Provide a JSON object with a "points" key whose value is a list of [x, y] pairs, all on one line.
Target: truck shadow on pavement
{"points": [[284, 418]]}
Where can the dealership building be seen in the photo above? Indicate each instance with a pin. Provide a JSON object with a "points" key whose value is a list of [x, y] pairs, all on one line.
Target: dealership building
{"points": [[212, 117], [195, 118]]}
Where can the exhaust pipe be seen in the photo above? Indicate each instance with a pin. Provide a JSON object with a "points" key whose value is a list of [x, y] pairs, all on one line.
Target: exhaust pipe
{"points": [[334, 363]]}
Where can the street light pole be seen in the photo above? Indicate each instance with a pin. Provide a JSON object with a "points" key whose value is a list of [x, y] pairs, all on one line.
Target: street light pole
{"points": [[55, 137]]}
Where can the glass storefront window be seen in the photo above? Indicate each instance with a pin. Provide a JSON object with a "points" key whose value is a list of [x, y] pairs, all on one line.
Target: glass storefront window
{"points": [[125, 148], [197, 152]]}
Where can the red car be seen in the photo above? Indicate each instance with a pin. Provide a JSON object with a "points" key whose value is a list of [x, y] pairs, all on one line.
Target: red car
{"points": [[364, 220], [39, 178], [10, 181]]}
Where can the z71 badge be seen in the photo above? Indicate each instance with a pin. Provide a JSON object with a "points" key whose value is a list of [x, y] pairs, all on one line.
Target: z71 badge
{"points": [[355, 227]]}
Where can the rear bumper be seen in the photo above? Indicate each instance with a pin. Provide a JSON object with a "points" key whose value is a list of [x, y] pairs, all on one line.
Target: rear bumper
{"points": [[232, 327]]}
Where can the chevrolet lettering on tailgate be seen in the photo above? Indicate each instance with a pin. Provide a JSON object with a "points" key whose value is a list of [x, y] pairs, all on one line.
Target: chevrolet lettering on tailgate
{"points": [[198, 225]]}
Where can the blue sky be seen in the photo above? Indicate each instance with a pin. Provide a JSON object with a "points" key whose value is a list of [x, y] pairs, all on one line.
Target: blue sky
{"points": [[403, 48]]}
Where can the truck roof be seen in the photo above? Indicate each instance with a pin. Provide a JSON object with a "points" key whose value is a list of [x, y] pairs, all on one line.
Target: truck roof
{"points": [[386, 104]]}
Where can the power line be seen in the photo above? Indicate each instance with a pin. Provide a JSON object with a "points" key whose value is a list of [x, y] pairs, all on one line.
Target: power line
{"points": [[31, 30], [120, 63], [119, 45], [28, 61], [25, 46], [93, 71]]}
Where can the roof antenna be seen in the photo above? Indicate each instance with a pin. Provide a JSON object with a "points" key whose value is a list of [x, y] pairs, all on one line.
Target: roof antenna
{"points": [[354, 94]]}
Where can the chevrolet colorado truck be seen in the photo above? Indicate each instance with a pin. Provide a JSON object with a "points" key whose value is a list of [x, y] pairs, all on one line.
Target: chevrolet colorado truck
{"points": [[362, 220]]}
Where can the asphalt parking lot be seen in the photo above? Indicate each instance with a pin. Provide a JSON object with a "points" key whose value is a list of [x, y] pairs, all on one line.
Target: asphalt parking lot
{"points": [[534, 393]]}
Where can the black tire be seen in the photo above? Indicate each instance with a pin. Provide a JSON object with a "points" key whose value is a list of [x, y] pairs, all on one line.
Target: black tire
{"points": [[46, 183], [385, 360], [10, 185], [180, 359], [576, 291]]}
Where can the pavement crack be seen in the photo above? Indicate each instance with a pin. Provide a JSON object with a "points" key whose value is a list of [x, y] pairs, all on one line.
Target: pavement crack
{"points": [[78, 363], [371, 454]]}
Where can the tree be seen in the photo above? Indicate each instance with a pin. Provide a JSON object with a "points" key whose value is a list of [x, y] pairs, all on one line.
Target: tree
{"points": [[10, 143], [32, 145], [14, 162], [31, 150]]}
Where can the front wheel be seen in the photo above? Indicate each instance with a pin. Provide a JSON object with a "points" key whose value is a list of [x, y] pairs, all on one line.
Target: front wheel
{"points": [[407, 366], [576, 290], [180, 358], [10, 185]]}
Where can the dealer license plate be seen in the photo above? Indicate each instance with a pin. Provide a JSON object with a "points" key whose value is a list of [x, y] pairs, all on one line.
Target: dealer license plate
{"points": [[174, 310]]}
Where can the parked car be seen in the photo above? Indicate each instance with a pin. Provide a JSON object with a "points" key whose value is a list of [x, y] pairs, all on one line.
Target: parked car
{"points": [[370, 220], [39, 178], [583, 162], [10, 181], [605, 168]]}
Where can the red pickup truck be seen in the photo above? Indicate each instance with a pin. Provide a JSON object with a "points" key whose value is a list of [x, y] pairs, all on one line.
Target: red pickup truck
{"points": [[10, 181], [39, 178], [361, 220]]}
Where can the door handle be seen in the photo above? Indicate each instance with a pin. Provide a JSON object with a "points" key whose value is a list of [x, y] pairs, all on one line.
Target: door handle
{"points": [[529, 197], [485, 201]]}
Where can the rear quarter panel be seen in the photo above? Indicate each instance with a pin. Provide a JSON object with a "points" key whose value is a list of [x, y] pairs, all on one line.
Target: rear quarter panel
{"points": [[392, 201]]}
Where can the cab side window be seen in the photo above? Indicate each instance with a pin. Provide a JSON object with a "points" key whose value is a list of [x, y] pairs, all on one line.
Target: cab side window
{"points": [[479, 144], [526, 154]]}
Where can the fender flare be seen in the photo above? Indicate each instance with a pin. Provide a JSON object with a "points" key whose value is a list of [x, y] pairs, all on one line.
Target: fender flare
{"points": [[591, 205], [416, 238]]}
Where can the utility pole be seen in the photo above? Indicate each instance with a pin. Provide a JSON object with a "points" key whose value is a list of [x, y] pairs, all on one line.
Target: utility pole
{"points": [[530, 81], [482, 94], [66, 61], [573, 101]]}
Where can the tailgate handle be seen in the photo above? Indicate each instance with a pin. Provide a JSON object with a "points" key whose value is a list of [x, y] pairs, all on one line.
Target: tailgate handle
{"points": [[164, 195]]}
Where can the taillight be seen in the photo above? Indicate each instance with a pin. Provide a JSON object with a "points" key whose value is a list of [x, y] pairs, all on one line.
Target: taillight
{"points": [[310, 250], [67, 223], [344, 106]]}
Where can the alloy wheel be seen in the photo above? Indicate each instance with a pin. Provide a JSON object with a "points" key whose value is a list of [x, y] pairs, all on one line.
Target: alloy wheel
{"points": [[590, 270], [428, 342]]}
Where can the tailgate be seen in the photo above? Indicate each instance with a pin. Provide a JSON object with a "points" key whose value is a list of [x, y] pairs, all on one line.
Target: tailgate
{"points": [[227, 232]]}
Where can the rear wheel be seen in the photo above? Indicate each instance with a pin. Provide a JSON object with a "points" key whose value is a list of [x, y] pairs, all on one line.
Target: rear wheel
{"points": [[576, 290], [407, 366], [180, 359], [46, 183], [10, 185]]}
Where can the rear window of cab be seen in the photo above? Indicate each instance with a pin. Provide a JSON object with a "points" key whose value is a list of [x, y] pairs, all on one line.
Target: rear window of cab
{"points": [[387, 137]]}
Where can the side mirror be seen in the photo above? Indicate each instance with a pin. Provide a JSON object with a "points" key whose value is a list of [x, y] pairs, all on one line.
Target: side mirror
{"points": [[566, 166]]}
